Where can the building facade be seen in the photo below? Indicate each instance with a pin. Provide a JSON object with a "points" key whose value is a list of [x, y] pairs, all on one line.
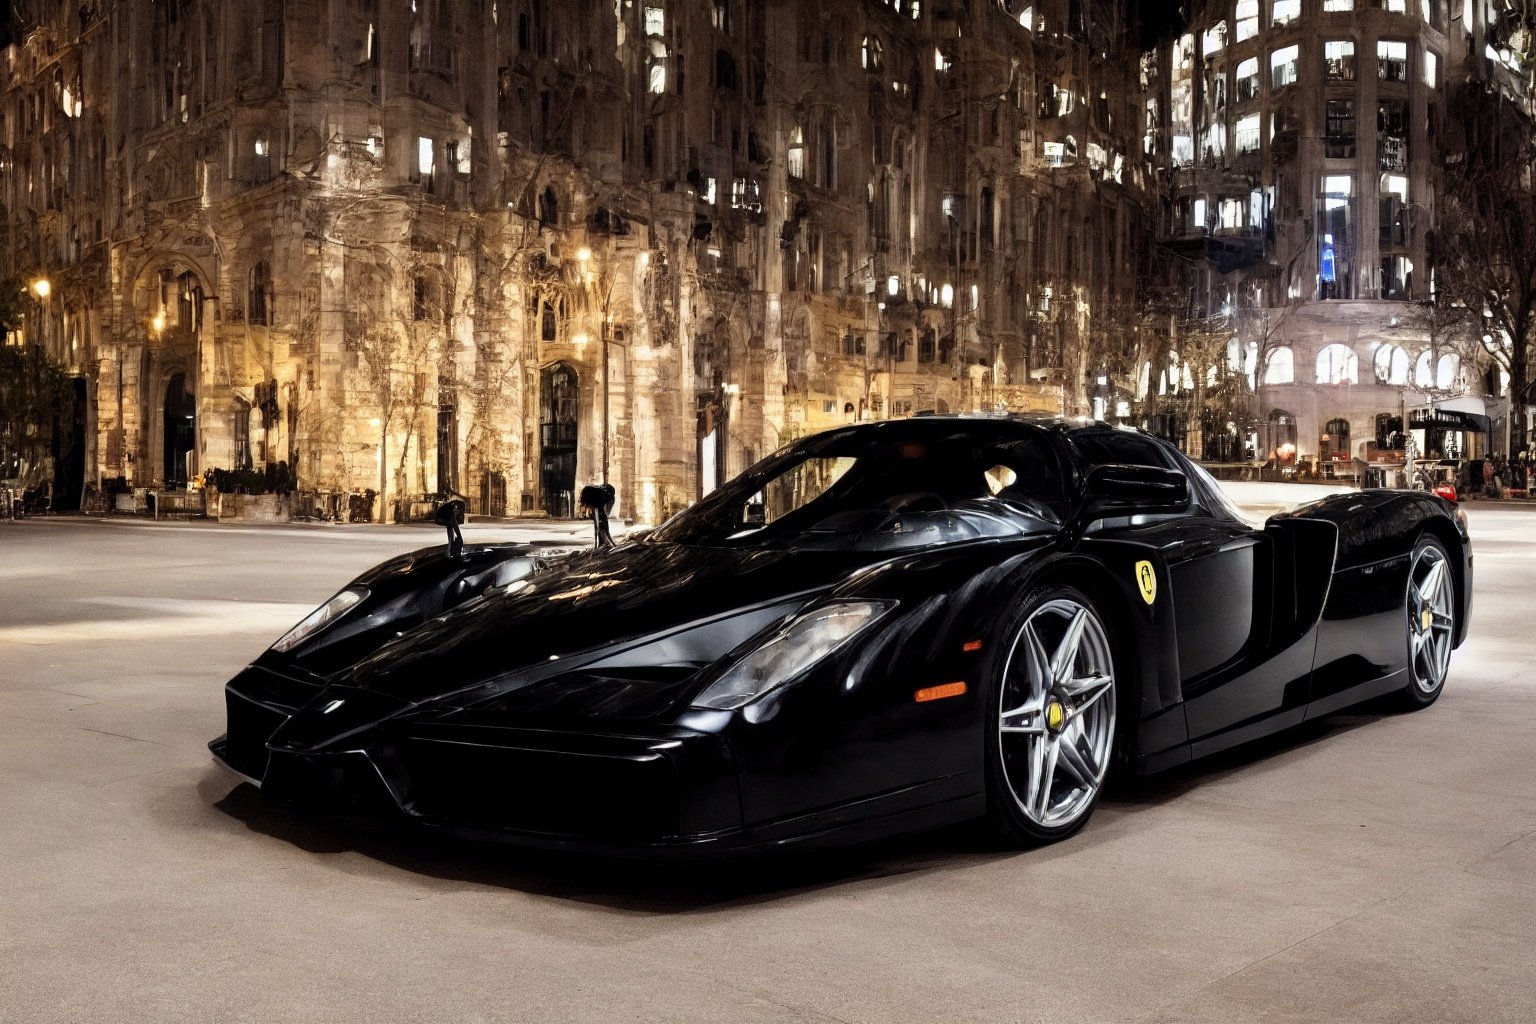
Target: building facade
{"points": [[1300, 145], [510, 248]]}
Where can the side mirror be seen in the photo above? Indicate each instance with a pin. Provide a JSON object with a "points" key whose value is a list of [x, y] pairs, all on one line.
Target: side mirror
{"points": [[598, 500], [449, 515], [1128, 490]]}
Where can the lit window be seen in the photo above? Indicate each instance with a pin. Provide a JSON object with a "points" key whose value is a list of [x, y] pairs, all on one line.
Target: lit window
{"points": [[1424, 370], [1247, 19], [423, 156], [1248, 80], [1200, 214], [1431, 69], [1392, 60], [1247, 135], [1282, 67], [1395, 6], [1330, 6], [1215, 142], [709, 191], [1391, 364], [1339, 60], [1285, 12], [1230, 213], [870, 54], [1215, 38], [655, 21], [1280, 367], [1027, 17], [941, 62], [1337, 364], [796, 162], [261, 146], [1447, 370], [1339, 185]]}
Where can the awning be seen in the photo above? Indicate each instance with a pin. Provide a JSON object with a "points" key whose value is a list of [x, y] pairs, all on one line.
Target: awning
{"points": [[1447, 419]]}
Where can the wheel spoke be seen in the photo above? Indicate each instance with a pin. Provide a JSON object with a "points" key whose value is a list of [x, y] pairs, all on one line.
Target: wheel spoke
{"points": [[1066, 651], [1046, 777], [1085, 691], [1430, 584], [1025, 718], [1037, 662], [1078, 764]]}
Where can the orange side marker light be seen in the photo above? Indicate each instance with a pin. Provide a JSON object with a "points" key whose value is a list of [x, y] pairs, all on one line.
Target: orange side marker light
{"points": [[939, 692], [971, 646]]}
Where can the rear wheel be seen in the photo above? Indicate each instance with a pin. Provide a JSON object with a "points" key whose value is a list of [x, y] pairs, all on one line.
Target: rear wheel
{"points": [[1430, 611], [1051, 726]]}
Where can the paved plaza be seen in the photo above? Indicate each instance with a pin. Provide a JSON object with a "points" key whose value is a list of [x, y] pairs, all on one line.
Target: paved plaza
{"points": [[1374, 868]]}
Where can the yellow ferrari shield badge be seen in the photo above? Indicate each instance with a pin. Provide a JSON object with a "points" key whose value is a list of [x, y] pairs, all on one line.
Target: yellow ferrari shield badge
{"points": [[1146, 579]]}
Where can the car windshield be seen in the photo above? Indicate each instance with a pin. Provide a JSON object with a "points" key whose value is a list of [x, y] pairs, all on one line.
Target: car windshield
{"points": [[896, 485]]}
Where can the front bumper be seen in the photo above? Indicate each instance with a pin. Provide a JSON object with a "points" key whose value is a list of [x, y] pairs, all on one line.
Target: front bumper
{"points": [[635, 789]]}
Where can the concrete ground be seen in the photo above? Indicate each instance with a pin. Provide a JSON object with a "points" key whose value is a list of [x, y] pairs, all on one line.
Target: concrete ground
{"points": [[1374, 868]]}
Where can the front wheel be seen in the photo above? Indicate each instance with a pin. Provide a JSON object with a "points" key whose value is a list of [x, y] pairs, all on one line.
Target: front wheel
{"points": [[1430, 609], [1051, 719]]}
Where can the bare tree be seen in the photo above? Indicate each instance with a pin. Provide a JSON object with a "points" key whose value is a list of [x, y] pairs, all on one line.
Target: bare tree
{"points": [[33, 389], [1450, 330], [1261, 331], [393, 354], [1486, 249]]}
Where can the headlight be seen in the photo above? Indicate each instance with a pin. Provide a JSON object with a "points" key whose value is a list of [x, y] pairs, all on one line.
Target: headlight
{"points": [[804, 641], [321, 617]]}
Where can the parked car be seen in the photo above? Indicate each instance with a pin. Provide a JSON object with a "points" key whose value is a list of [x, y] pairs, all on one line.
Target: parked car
{"points": [[878, 629]]}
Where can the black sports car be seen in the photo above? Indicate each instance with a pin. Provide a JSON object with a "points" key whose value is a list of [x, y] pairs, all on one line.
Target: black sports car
{"points": [[878, 629]]}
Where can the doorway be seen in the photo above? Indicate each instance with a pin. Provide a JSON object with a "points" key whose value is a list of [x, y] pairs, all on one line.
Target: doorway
{"points": [[558, 393], [179, 433]]}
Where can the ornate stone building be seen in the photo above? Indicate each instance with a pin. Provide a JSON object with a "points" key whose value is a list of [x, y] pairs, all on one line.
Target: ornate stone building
{"points": [[510, 247], [1299, 146]]}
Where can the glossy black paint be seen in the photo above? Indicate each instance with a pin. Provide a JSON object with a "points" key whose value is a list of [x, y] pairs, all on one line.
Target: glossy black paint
{"points": [[499, 692]]}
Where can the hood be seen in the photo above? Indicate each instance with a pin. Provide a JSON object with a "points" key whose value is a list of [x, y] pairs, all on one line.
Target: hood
{"points": [[588, 611]]}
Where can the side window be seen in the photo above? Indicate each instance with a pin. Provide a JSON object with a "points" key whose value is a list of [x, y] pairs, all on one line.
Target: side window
{"points": [[1028, 472], [1120, 448]]}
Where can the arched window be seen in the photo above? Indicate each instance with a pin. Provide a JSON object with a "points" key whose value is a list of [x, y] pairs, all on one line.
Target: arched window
{"points": [[189, 302], [1447, 370], [870, 56], [1280, 367], [1337, 364], [1335, 439], [548, 325], [259, 304], [1424, 370], [1391, 365]]}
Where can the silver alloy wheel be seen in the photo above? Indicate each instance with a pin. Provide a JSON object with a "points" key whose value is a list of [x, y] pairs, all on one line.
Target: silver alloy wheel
{"points": [[1056, 720], [1431, 619]]}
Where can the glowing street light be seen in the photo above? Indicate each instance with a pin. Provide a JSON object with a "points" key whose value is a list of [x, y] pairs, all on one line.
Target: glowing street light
{"points": [[42, 287]]}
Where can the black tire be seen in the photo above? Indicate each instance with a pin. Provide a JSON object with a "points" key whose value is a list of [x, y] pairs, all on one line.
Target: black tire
{"points": [[1076, 740], [1429, 623]]}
